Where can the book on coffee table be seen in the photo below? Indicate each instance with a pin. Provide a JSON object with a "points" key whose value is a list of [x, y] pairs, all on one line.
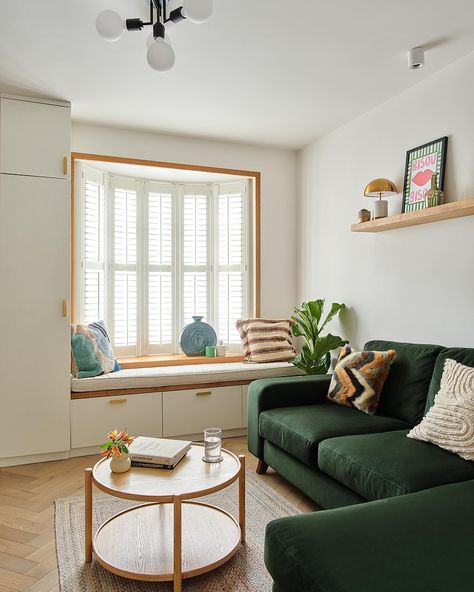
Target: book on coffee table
{"points": [[159, 453]]}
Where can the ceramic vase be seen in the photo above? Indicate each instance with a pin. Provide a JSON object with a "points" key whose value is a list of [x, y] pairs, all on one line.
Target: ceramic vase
{"points": [[196, 336], [120, 464]]}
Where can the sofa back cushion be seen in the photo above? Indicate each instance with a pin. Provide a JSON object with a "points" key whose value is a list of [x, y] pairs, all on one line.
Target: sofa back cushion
{"points": [[406, 388], [463, 355]]}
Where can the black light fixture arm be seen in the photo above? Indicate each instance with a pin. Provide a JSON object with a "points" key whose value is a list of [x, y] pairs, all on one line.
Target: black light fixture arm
{"points": [[162, 17]]}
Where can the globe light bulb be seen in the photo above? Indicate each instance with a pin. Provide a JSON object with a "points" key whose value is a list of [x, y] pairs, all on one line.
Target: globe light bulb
{"points": [[197, 11], [160, 55], [150, 39], [109, 25]]}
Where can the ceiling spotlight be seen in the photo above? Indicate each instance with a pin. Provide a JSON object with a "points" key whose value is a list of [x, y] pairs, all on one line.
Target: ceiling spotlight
{"points": [[416, 58], [160, 54]]}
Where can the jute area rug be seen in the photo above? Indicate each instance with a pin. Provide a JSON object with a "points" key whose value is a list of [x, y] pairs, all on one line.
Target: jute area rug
{"points": [[244, 572]]}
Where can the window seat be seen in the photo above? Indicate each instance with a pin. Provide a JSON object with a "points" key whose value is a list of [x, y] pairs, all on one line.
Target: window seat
{"points": [[143, 380]]}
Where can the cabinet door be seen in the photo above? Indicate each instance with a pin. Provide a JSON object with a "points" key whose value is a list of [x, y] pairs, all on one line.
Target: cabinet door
{"points": [[92, 419], [34, 343], [34, 138], [191, 411]]}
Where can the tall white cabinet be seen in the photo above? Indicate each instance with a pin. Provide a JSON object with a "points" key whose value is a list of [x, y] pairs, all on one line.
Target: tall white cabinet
{"points": [[34, 277]]}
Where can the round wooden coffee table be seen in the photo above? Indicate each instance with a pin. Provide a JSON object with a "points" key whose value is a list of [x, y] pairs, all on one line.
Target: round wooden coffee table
{"points": [[169, 538]]}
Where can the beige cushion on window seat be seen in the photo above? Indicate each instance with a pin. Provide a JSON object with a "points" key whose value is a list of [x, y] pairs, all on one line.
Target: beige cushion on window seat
{"points": [[183, 375]]}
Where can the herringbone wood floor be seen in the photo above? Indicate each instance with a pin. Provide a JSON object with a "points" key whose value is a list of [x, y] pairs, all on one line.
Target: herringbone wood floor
{"points": [[27, 545]]}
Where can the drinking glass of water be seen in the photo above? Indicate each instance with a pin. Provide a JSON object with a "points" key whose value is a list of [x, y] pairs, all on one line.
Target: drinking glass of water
{"points": [[212, 445]]}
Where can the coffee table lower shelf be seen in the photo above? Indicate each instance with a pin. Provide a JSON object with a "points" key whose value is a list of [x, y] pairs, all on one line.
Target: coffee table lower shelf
{"points": [[138, 543]]}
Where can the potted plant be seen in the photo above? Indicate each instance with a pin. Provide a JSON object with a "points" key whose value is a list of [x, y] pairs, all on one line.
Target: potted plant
{"points": [[117, 449], [315, 357]]}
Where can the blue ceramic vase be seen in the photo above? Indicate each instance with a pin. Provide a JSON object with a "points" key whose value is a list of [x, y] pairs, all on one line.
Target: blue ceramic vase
{"points": [[196, 336]]}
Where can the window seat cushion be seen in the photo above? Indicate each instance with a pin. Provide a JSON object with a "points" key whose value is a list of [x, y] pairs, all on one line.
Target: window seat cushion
{"points": [[183, 375]]}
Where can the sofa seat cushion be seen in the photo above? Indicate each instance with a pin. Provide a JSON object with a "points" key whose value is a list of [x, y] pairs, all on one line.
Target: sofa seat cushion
{"points": [[415, 543], [299, 430], [383, 465]]}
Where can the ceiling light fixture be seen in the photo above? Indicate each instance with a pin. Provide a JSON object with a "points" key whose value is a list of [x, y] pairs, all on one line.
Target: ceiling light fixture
{"points": [[160, 54], [416, 58]]}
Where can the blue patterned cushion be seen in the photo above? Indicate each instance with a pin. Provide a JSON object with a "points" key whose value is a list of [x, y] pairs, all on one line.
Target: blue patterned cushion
{"points": [[91, 351]]}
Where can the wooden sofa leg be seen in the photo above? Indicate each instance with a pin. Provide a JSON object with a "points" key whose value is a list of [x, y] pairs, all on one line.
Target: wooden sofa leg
{"points": [[261, 467]]}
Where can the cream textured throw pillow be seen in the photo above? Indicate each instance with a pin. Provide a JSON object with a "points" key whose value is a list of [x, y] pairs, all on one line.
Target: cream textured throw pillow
{"points": [[450, 422]]}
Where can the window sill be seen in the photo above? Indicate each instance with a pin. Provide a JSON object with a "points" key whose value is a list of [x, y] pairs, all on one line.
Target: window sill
{"points": [[174, 360]]}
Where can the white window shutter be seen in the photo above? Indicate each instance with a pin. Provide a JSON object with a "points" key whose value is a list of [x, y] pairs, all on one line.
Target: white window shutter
{"points": [[231, 260], [159, 280], [195, 284], [93, 256], [124, 266]]}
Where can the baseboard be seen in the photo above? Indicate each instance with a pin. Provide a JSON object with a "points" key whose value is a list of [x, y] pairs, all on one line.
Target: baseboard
{"points": [[33, 458]]}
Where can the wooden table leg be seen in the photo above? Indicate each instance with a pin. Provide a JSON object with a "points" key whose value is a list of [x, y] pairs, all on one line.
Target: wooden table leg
{"points": [[242, 497], [177, 534], [88, 514]]}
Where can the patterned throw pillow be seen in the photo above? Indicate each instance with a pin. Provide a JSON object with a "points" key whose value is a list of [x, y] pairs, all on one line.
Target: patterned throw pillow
{"points": [[91, 351], [359, 377], [450, 421], [266, 340]]}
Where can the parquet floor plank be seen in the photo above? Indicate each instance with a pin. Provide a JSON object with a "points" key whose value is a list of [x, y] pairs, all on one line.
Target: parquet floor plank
{"points": [[18, 564], [15, 581]]}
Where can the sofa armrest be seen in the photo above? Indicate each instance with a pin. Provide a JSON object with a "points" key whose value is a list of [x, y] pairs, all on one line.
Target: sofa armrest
{"points": [[271, 393]]}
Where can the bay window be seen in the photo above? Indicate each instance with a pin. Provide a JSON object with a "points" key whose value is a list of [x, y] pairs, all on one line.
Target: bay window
{"points": [[150, 255]]}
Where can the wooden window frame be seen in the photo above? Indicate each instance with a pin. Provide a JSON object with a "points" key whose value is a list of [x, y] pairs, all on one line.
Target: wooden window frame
{"points": [[254, 175]]}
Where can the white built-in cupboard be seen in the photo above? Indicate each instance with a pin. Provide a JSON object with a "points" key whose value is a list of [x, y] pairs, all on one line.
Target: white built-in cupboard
{"points": [[177, 413], [34, 276]]}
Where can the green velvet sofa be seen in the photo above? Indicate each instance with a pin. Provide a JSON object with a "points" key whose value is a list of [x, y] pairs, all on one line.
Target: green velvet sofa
{"points": [[420, 495]]}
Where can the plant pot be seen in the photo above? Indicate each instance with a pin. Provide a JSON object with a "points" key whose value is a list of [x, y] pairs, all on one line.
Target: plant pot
{"points": [[120, 464]]}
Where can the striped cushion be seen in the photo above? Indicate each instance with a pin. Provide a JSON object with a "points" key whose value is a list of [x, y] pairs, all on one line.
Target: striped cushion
{"points": [[266, 340]]}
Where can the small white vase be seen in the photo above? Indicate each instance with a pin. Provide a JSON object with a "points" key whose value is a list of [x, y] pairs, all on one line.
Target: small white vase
{"points": [[120, 464]]}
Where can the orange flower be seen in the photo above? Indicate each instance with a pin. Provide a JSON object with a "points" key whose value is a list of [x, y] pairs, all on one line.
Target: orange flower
{"points": [[112, 435]]}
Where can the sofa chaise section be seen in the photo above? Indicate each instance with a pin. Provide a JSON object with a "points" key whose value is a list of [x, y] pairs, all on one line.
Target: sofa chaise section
{"points": [[417, 542]]}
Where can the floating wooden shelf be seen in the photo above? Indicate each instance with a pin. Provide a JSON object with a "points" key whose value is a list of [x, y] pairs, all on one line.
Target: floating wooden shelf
{"points": [[455, 209]]}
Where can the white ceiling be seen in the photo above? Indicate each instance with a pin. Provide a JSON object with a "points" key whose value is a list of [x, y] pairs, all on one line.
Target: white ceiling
{"points": [[278, 72]]}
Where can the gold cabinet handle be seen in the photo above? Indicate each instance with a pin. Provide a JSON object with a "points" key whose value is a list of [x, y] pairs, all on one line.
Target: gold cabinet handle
{"points": [[65, 165], [65, 308], [117, 401], [203, 393]]}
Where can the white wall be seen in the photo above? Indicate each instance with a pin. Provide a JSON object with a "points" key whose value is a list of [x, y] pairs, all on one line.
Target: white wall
{"points": [[412, 284], [278, 195]]}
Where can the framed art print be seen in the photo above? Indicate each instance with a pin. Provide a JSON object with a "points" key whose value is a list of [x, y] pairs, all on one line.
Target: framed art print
{"points": [[421, 163]]}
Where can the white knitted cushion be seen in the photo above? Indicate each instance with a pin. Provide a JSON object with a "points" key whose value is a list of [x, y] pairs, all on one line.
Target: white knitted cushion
{"points": [[450, 422]]}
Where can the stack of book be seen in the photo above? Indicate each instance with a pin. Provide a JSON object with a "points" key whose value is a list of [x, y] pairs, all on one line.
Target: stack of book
{"points": [[157, 453]]}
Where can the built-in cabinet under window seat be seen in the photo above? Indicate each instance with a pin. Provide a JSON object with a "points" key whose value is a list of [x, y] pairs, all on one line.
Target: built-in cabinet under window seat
{"points": [[172, 401]]}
